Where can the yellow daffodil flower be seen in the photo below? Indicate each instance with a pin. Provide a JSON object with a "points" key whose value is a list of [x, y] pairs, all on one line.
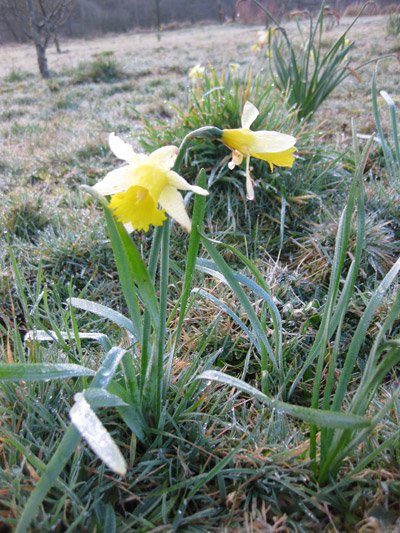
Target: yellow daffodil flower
{"points": [[263, 37], [137, 188], [272, 146], [196, 72]]}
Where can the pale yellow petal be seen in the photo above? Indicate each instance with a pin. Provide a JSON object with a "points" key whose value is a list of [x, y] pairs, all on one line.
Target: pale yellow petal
{"points": [[121, 149], [175, 180], [237, 158], [172, 201], [118, 180], [164, 157], [249, 115], [270, 142], [280, 159], [249, 183]]}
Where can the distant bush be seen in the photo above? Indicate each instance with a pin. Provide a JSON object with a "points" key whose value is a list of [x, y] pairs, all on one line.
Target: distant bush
{"points": [[353, 9], [390, 9], [104, 69], [393, 25], [24, 215], [17, 75]]}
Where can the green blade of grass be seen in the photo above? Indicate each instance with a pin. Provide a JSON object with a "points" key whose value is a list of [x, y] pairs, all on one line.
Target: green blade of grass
{"points": [[314, 416], [226, 271], [103, 311], [67, 445], [42, 371]]}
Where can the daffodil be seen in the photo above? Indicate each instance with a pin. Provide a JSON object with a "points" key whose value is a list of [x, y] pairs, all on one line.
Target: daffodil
{"points": [[196, 72], [147, 181], [271, 146], [263, 38]]}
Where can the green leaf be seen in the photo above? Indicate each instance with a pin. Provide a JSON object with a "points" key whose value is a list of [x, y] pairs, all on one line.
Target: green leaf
{"points": [[96, 435], [260, 333], [40, 335], [105, 312], [124, 265], [102, 398], [105, 374], [318, 417], [67, 445], [42, 371]]}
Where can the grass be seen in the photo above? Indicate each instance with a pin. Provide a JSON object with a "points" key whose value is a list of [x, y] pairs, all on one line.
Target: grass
{"points": [[221, 460]]}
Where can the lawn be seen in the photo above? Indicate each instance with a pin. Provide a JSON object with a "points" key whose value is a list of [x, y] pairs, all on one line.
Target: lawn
{"points": [[248, 375]]}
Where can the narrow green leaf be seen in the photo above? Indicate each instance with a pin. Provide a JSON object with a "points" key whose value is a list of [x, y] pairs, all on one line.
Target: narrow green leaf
{"points": [[107, 370], [230, 278], [51, 336], [42, 371], [226, 309], [110, 522], [102, 398], [66, 447], [105, 312], [140, 273], [314, 416], [96, 435]]}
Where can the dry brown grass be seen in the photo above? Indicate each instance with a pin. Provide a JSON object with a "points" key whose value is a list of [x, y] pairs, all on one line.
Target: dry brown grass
{"points": [[353, 9], [390, 9], [372, 10]]}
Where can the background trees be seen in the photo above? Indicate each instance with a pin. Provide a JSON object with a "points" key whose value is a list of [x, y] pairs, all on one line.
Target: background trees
{"points": [[36, 20]]}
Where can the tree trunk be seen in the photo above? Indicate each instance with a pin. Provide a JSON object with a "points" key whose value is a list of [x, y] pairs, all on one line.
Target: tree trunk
{"points": [[40, 48], [57, 43], [42, 61], [158, 16]]}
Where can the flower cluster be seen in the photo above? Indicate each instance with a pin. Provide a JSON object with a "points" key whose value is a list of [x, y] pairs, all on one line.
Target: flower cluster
{"points": [[146, 189]]}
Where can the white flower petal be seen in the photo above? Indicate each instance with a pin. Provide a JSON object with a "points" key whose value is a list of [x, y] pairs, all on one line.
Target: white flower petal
{"points": [[249, 184], [249, 115], [264, 142], [129, 228], [118, 180], [172, 201], [122, 150], [175, 180], [164, 157]]}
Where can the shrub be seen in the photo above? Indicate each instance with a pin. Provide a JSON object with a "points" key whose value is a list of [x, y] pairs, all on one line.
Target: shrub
{"points": [[393, 25], [353, 9], [104, 69], [17, 75]]}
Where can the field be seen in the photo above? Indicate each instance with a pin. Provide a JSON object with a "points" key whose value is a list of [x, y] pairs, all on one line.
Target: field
{"points": [[298, 297]]}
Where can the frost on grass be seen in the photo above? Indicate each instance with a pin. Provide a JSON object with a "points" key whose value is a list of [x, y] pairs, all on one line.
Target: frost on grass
{"points": [[96, 435]]}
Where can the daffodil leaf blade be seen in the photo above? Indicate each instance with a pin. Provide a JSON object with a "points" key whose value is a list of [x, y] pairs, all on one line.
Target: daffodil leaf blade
{"points": [[96, 435], [141, 274], [319, 417], [105, 312], [125, 273], [42, 371]]}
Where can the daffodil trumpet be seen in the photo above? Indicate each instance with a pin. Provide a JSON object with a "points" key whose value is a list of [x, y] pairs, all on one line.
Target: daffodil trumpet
{"points": [[145, 183], [274, 147]]}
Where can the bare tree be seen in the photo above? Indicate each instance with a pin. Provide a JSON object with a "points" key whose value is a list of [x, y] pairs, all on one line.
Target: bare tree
{"points": [[158, 14], [38, 20]]}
